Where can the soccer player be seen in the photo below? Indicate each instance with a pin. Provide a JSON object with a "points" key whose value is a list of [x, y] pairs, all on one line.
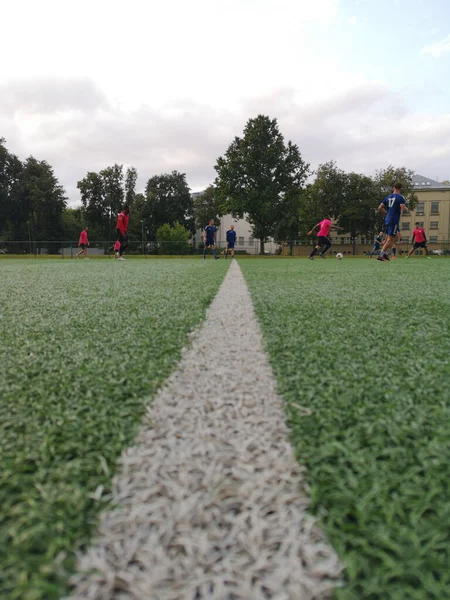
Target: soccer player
{"points": [[419, 240], [392, 207], [377, 244], [122, 228], [83, 243], [209, 239], [322, 237], [231, 241]]}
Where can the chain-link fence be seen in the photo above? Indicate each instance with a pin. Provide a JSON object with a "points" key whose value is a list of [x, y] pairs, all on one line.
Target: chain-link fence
{"points": [[243, 247]]}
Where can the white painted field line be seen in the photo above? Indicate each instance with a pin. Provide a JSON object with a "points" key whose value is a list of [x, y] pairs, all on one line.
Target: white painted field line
{"points": [[211, 500]]}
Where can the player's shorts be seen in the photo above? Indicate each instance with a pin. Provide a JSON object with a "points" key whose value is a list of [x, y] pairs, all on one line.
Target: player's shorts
{"points": [[83, 246], [420, 245], [323, 241], [209, 243], [392, 229], [230, 245]]}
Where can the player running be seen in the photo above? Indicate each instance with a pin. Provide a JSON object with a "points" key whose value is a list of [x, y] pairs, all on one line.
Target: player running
{"points": [[83, 243], [377, 244], [419, 240], [231, 241], [122, 228], [209, 239], [325, 227], [392, 207]]}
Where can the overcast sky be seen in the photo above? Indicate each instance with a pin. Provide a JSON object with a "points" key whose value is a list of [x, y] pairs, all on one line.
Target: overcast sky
{"points": [[167, 84]]}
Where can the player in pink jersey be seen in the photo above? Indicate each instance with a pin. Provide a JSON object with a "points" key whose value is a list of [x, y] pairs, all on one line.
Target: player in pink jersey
{"points": [[419, 240], [83, 243], [325, 227]]}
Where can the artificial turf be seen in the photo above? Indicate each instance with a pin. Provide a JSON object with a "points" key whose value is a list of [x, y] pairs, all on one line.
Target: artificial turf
{"points": [[361, 351], [84, 345]]}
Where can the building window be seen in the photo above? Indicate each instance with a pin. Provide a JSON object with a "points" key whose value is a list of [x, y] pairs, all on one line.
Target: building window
{"points": [[241, 241], [433, 239], [435, 208], [405, 239], [251, 242], [420, 208], [405, 226], [420, 223], [434, 224]]}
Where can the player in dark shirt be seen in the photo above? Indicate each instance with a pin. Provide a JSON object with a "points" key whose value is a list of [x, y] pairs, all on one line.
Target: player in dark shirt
{"points": [[231, 241], [209, 239], [377, 244], [392, 207]]}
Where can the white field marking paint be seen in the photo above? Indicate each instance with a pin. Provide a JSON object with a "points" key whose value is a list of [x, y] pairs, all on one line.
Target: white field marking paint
{"points": [[211, 502]]}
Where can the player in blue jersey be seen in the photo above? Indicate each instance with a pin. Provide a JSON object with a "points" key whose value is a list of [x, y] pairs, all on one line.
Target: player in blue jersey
{"points": [[377, 244], [209, 239], [231, 241], [392, 207]]}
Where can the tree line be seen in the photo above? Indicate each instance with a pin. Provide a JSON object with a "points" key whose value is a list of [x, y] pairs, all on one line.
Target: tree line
{"points": [[260, 176]]}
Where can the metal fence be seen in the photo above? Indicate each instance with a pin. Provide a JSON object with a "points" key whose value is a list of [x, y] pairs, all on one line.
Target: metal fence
{"points": [[244, 247]]}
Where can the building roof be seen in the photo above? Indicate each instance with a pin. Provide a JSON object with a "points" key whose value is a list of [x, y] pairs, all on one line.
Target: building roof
{"points": [[425, 183]]}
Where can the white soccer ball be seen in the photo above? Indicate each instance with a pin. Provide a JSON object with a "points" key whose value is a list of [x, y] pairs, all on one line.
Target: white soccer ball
{"points": [[339, 256]]}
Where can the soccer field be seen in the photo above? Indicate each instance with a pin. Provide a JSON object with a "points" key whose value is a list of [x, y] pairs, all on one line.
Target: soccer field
{"points": [[361, 354], [360, 350], [84, 345]]}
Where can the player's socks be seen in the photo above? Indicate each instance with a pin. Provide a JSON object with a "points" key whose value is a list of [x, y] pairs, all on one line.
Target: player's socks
{"points": [[204, 253], [313, 253], [215, 253]]}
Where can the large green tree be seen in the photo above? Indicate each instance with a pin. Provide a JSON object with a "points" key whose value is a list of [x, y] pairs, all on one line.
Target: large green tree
{"points": [[13, 214], [168, 200], [93, 203], [114, 194], [256, 173], [206, 207], [130, 186], [103, 196], [385, 178], [45, 201]]}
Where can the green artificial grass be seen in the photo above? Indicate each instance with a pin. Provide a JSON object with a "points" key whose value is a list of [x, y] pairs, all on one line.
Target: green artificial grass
{"points": [[365, 346], [84, 345]]}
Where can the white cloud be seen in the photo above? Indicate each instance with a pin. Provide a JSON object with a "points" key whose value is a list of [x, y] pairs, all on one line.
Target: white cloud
{"points": [[156, 52], [167, 85], [363, 128], [437, 49]]}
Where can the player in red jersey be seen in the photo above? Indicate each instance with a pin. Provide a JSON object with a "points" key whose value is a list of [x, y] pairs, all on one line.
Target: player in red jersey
{"points": [[122, 228], [419, 240], [325, 227], [83, 243]]}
